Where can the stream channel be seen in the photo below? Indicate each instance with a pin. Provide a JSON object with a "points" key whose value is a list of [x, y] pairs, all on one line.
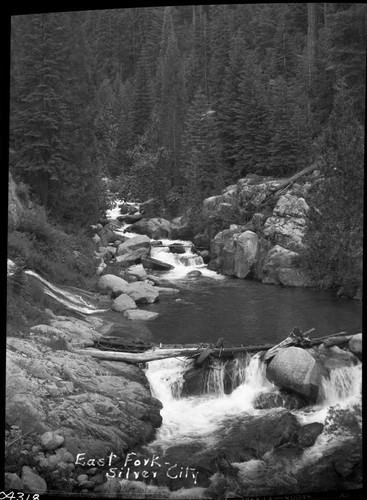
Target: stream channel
{"points": [[195, 427]]}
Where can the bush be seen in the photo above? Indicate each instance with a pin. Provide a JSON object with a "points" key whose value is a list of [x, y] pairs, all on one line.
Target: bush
{"points": [[25, 305], [47, 249]]}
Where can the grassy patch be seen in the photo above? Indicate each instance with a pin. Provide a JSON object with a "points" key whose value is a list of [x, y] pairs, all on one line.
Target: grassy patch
{"points": [[39, 244], [62, 257]]}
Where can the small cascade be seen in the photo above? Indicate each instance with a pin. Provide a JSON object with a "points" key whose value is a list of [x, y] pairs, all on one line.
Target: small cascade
{"points": [[183, 263], [343, 384], [186, 419], [214, 378], [236, 370], [71, 300]]}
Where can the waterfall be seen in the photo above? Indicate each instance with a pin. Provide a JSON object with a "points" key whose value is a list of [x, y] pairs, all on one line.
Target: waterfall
{"points": [[72, 300], [342, 385], [196, 418], [183, 263]]}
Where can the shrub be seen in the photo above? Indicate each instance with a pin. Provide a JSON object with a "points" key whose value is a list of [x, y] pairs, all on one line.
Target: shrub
{"points": [[47, 249]]}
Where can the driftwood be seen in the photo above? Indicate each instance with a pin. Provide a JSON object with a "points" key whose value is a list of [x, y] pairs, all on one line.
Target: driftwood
{"points": [[190, 352], [294, 177], [287, 182]]}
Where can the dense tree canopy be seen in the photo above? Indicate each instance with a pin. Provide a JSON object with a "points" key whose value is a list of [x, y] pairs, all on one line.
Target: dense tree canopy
{"points": [[193, 97]]}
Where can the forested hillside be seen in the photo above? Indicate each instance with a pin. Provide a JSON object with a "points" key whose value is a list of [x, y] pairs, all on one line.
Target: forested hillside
{"points": [[178, 102]]}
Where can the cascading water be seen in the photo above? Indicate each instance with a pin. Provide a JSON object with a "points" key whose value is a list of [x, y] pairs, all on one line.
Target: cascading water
{"points": [[194, 421], [70, 299], [183, 263], [197, 417]]}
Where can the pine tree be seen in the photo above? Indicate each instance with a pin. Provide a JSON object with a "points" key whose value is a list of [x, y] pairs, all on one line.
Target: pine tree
{"points": [[171, 96], [142, 98], [201, 162], [38, 120], [252, 128]]}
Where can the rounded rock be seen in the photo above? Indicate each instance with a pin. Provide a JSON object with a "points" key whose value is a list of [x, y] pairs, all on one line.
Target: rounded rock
{"points": [[355, 344], [32, 482], [81, 478], [50, 440]]}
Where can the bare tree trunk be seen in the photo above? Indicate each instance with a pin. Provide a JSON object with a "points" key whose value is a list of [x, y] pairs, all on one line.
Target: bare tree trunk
{"points": [[312, 38], [166, 352]]}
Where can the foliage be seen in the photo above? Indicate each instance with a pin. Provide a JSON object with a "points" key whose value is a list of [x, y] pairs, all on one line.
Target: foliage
{"points": [[121, 93], [25, 305], [43, 246], [335, 232]]}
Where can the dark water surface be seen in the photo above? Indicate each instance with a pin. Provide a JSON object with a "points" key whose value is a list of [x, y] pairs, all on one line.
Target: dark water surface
{"points": [[248, 312]]}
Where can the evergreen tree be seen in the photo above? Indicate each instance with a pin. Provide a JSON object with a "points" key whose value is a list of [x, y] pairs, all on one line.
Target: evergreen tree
{"points": [[252, 128], [201, 162], [171, 97], [335, 232], [39, 115]]}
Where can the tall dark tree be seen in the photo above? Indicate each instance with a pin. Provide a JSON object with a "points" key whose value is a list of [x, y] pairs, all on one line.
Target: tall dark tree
{"points": [[171, 96], [201, 164]]}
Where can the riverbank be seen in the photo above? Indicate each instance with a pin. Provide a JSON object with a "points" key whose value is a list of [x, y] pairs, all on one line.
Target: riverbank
{"points": [[88, 407]]}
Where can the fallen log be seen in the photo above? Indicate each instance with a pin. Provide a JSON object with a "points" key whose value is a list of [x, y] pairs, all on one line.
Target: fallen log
{"points": [[294, 177], [222, 352], [287, 182], [143, 357]]}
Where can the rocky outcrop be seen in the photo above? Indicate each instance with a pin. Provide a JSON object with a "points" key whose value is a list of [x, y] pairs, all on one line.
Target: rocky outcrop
{"points": [[93, 407], [279, 268], [266, 245]]}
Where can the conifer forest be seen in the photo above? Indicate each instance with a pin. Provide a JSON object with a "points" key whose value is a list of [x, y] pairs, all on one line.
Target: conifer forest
{"points": [[178, 102]]}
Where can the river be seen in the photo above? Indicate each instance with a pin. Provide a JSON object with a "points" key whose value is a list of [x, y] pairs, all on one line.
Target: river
{"points": [[196, 429]]}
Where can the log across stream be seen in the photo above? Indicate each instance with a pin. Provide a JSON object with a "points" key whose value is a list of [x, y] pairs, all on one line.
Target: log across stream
{"points": [[191, 350]]}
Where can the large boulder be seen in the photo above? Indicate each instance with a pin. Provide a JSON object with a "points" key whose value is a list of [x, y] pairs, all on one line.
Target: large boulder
{"points": [[107, 235], [280, 267], [142, 292], [288, 232], [112, 283], [135, 273], [291, 206], [155, 264], [287, 225], [133, 249], [123, 303], [222, 250], [246, 251], [296, 370], [355, 344], [181, 229], [282, 398], [155, 228]]}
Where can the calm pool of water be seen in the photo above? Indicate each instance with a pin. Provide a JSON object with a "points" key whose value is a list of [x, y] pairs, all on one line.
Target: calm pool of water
{"points": [[248, 312]]}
